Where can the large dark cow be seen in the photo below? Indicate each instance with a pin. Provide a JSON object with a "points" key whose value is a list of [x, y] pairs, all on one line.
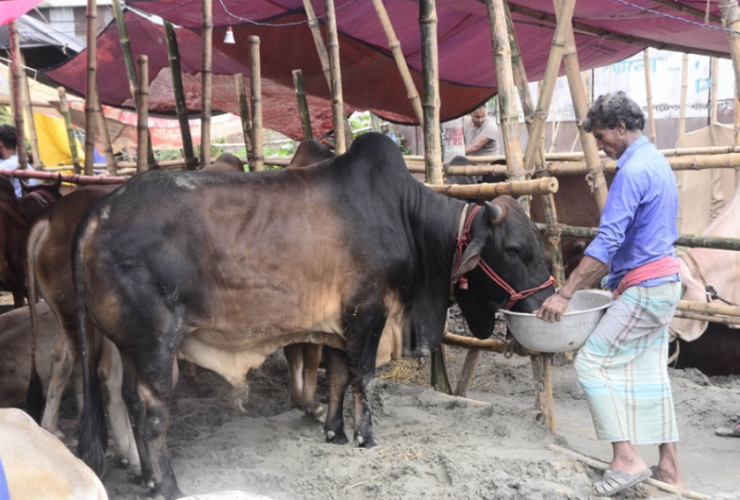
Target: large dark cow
{"points": [[226, 162], [12, 237], [48, 259], [330, 254]]}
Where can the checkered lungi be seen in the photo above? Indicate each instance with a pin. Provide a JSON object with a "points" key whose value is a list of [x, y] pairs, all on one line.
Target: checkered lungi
{"points": [[623, 367]]}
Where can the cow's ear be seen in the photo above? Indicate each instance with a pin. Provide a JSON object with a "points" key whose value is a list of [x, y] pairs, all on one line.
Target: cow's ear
{"points": [[469, 259], [495, 212]]}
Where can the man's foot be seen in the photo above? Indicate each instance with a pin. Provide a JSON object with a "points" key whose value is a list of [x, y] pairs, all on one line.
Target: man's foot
{"points": [[616, 480], [668, 477]]}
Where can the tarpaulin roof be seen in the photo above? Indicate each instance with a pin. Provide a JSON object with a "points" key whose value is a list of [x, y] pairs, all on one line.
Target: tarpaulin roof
{"points": [[13, 9], [370, 78]]}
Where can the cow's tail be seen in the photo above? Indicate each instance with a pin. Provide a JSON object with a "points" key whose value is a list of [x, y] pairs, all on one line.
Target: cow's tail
{"points": [[35, 395], [93, 437]]}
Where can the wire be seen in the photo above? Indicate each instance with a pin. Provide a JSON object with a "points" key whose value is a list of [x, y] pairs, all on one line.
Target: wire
{"points": [[281, 25], [676, 18]]}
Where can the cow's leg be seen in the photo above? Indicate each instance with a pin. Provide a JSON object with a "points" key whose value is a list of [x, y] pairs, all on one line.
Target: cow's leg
{"points": [[62, 363], [311, 361], [110, 371], [337, 374], [136, 416], [294, 356]]}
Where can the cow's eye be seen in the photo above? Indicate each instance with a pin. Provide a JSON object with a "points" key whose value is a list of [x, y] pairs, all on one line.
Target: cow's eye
{"points": [[512, 251]]}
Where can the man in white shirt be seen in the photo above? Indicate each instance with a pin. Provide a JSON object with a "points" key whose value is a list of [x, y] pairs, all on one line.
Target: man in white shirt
{"points": [[480, 132], [8, 156]]}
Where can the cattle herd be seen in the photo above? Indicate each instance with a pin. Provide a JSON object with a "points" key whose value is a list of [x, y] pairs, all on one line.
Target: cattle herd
{"points": [[220, 268]]}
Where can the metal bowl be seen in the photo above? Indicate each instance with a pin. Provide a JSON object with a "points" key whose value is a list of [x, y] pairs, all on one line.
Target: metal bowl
{"points": [[584, 312]]}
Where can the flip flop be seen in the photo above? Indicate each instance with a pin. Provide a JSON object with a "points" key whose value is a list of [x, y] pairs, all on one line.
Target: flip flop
{"points": [[615, 481], [728, 431]]}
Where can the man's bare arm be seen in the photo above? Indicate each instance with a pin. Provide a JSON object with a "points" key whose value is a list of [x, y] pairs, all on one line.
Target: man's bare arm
{"points": [[588, 272], [476, 145]]}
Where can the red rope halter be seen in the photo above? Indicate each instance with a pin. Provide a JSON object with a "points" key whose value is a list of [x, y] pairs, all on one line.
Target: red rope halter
{"points": [[463, 240]]}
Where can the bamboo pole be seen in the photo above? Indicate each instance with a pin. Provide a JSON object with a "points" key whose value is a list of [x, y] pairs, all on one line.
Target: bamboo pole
{"points": [[430, 90], [300, 95], [466, 374], [548, 201], [90, 93], [713, 94], [649, 92], [723, 320], [717, 308], [335, 70], [15, 77], [28, 106], [403, 68], [545, 185], [102, 126], [181, 106], [128, 59], [258, 158], [78, 179], [731, 19], [490, 345], [547, 89], [684, 240], [142, 125], [682, 105], [241, 95], [206, 88], [703, 15], [70, 132], [542, 376], [573, 72]]}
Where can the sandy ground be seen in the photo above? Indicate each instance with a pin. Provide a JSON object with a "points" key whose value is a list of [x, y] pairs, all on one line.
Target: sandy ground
{"points": [[430, 447]]}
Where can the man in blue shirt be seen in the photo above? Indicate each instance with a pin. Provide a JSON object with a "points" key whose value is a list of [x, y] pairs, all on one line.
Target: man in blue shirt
{"points": [[623, 365], [9, 157]]}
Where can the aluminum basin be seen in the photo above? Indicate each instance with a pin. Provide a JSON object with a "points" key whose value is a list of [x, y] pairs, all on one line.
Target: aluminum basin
{"points": [[584, 312]]}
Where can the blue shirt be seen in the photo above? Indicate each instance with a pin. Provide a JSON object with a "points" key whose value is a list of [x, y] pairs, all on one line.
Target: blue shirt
{"points": [[638, 225], [11, 163]]}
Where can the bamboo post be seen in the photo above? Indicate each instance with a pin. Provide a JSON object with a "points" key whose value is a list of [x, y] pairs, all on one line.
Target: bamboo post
{"points": [[313, 24], [440, 379], [548, 201], [682, 131], [731, 19], [90, 94], [70, 132], [15, 77], [430, 90], [28, 106], [542, 376], [128, 59], [335, 70], [713, 92], [649, 92], [206, 88], [300, 95], [181, 107], [256, 79], [142, 125], [548, 84], [403, 68], [466, 374], [505, 83], [110, 160], [573, 72], [241, 94]]}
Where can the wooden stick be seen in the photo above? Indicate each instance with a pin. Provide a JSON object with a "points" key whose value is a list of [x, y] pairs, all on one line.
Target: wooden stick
{"points": [[28, 106], [181, 106], [685, 240], [682, 105], [731, 19], [719, 308], [15, 72], [403, 68], [90, 83], [102, 126], [649, 92], [300, 95], [689, 10], [599, 465], [241, 95], [545, 185], [466, 375], [335, 70], [440, 379], [64, 108], [491, 345], [78, 179], [258, 158], [580, 107], [430, 90], [542, 376], [142, 125], [206, 90], [128, 59], [547, 89], [713, 93], [724, 320]]}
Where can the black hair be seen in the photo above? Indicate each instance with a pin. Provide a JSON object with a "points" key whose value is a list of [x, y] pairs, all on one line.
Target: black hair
{"points": [[610, 109], [8, 136]]}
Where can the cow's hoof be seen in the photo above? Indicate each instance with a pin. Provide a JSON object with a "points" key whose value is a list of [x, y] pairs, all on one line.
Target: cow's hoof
{"points": [[315, 413], [365, 442], [336, 437]]}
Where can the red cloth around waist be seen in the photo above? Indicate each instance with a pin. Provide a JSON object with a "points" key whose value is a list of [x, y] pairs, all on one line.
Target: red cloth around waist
{"points": [[665, 266]]}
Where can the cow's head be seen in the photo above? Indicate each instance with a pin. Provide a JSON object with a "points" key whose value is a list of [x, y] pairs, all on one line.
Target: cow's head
{"points": [[504, 238]]}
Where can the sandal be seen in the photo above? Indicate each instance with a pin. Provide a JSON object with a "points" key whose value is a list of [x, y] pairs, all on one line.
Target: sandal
{"points": [[615, 481], [728, 432]]}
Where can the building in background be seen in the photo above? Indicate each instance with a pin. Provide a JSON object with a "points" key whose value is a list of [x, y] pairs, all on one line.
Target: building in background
{"points": [[68, 16]]}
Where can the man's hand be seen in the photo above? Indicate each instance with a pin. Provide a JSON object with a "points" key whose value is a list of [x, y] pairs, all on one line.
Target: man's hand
{"points": [[553, 308]]}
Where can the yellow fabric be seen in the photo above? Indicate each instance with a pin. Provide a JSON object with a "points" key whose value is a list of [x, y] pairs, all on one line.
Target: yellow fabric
{"points": [[53, 142]]}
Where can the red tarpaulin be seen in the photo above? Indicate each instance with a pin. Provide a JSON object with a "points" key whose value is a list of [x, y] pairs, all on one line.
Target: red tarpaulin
{"points": [[10, 10], [370, 78]]}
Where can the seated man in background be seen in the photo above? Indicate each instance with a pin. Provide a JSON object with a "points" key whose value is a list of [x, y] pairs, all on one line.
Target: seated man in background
{"points": [[480, 133], [9, 157]]}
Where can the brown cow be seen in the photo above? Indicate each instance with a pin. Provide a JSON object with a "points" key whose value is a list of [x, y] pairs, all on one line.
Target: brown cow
{"points": [[226, 162], [39, 467], [38, 197], [12, 237]]}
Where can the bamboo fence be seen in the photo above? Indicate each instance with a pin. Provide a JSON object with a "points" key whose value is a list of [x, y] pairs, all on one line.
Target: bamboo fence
{"points": [[430, 90], [241, 95], [258, 158], [335, 71], [181, 106], [28, 107], [142, 140], [206, 91], [90, 83], [487, 191], [70, 132], [15, 71], [300, 95]]}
